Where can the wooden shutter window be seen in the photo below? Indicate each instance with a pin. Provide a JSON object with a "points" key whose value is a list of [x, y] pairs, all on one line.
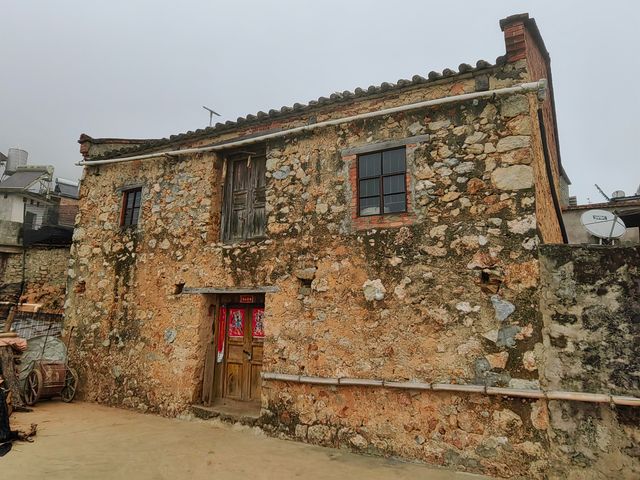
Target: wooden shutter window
{"points": [[245, 201], [239, 194], [257, 213]]}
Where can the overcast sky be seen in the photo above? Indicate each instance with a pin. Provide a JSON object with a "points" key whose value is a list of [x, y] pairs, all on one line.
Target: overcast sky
{"points": [[143, 69]]}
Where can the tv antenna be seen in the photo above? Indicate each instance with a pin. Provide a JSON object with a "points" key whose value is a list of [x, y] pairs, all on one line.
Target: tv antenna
{"points": [[602, 193], [211, 114]]}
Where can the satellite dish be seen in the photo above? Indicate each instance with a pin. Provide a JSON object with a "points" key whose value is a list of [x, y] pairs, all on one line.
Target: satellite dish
{"points": [[603, 224], [618, 194]]}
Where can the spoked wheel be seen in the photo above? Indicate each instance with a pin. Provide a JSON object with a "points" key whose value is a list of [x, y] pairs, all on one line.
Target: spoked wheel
{"points": [[70, 385], [33, 387]]}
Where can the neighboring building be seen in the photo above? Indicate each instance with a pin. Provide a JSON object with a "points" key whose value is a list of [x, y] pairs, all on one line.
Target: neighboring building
{"points": [[626, 207], [323, 265], [37, 215], [24, 187], [66, 193]]}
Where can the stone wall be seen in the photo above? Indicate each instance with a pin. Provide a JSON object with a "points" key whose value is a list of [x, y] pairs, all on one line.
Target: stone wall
{"points": [[523, 41], [45, 273], [591, 311]]}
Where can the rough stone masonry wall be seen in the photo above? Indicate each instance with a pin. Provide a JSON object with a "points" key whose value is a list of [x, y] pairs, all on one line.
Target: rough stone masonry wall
{"points": [[459, 293], [591, 312], [456, 283], [45, 273], [138, 342]]}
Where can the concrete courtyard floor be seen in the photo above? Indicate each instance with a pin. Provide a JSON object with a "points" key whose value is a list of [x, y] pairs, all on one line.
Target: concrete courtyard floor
{"points": [[87, 441]]}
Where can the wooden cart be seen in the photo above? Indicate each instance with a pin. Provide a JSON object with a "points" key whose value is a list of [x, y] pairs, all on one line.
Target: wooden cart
{"points": [[49, 379]]}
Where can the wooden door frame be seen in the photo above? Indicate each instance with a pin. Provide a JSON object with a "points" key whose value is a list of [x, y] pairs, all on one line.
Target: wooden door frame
{"points": [[210, 373]]}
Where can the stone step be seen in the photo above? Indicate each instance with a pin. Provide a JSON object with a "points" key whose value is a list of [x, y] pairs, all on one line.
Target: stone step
{"points": [[249, 415]]}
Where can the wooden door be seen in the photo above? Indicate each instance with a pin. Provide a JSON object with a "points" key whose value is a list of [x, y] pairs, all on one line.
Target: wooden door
{"points": [[243, 356]]}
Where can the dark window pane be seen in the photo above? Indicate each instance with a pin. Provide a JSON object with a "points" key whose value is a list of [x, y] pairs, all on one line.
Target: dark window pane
{"points": [[393, 184], [369, 188], [370, 206], [132, 201], [393, 161], [394, 203], [369, 165]]}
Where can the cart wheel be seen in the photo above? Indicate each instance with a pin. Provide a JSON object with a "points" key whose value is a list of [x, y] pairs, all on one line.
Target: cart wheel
{"points": [[33, 387], [70, 385]]}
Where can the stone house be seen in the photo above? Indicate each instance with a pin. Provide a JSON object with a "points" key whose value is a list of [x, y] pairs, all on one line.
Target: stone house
{"points": [[357, 270]]}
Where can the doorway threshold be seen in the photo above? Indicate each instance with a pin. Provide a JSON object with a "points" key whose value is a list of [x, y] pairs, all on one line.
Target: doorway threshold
{"points": [[246, 413]]}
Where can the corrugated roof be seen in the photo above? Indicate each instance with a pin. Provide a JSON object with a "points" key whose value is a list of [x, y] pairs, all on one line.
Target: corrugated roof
{"points": [[22, 180], [297, 108]]}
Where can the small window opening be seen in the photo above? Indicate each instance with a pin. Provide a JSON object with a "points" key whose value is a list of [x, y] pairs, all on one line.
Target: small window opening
{"points": [[131, 200]]}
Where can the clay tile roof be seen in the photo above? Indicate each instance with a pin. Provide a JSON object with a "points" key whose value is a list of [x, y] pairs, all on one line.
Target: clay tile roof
{"points": [[334, 98]]}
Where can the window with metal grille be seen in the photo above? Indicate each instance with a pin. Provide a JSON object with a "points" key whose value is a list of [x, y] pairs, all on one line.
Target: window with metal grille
{"points": [[382, 182], [131, 207]]}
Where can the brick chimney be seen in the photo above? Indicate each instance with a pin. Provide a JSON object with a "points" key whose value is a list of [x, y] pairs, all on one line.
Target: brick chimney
{"points": [[522, 37]]}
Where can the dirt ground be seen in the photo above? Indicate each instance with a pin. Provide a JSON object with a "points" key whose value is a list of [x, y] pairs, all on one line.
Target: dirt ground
{"points": [[87, 441]]}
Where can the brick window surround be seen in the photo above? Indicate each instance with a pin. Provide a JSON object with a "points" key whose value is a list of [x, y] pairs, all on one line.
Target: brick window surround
{"points": [[382, 182], [389, 220]]}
